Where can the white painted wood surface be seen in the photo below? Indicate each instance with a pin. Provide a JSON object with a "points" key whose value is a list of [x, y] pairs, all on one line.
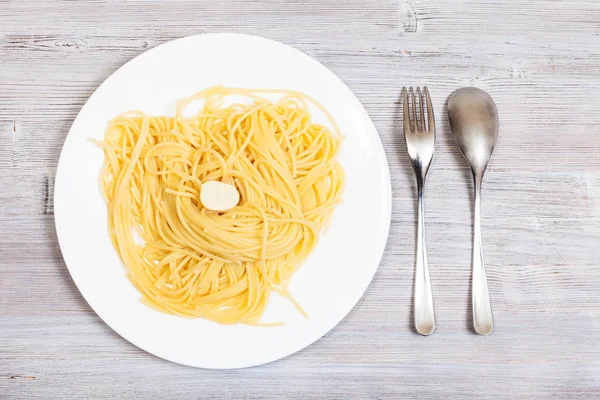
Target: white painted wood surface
{"points": [[539, 59]]}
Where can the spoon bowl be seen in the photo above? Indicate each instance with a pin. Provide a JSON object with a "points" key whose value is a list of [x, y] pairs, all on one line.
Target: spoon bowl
{"points": [[474, 123]]}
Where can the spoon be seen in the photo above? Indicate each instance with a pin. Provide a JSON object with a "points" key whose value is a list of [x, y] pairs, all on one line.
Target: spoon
{"points": [[474, 123]]}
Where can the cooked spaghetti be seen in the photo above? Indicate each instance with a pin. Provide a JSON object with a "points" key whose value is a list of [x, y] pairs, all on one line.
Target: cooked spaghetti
{"points": [[190, 261]]}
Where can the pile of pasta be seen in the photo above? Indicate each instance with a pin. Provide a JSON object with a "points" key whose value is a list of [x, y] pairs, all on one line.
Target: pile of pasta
{"points": [[193, 262]]}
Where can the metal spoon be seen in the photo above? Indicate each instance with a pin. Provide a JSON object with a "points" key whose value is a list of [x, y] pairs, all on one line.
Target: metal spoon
{"points": [[474, 123]]}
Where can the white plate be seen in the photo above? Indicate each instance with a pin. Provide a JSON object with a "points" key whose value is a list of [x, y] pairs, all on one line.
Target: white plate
{"points": [[327, 286]]}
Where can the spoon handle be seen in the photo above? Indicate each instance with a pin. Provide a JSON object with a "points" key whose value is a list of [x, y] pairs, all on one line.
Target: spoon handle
{"points": [[424, 315], [482, 308]]}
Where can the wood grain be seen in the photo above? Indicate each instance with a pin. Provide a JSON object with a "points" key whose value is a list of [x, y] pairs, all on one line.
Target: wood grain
{"points": [[541, 202]]}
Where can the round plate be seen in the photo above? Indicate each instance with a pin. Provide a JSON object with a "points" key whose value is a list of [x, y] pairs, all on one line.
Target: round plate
{"points": [[329, 283]]}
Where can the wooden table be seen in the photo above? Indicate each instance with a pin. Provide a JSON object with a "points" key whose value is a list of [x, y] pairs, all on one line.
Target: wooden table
{"points": [[540, 61]]}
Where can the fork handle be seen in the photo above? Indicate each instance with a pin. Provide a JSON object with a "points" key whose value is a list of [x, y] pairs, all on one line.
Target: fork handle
{"points": [[424, 315], [482, 308]]}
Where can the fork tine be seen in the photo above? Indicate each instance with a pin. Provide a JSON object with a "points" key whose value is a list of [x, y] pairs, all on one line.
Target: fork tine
{"points": [[414, 109], [422, 109], [430, 117], [406, 113]]}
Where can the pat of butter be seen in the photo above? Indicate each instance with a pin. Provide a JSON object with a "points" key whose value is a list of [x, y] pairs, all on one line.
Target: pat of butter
{"points": [[219, 196]]}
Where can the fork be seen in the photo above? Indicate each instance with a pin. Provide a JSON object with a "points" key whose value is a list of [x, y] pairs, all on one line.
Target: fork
{"points": [[420, 143]]}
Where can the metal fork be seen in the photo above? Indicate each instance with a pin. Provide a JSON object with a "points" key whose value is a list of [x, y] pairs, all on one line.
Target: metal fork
{"points": [[420, 143]]}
